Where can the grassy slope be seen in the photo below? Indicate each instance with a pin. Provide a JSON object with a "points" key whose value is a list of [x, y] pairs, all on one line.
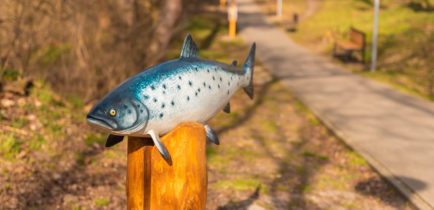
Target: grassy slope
{"points": [[405, 39]]}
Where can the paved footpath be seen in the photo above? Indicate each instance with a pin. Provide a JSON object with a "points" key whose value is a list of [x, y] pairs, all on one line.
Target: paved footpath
{"points": [[392, 130]]}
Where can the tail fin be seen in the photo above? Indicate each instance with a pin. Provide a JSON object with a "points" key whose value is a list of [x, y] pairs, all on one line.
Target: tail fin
{"points": [[248, 66]]}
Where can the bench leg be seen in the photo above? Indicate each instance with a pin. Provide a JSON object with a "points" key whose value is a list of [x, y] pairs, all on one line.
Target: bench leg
{"points": [[347, 56], [334, 51]]}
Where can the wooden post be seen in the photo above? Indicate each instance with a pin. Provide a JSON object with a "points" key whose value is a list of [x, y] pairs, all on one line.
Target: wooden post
{"points": [[232, 17], [181, 185]]}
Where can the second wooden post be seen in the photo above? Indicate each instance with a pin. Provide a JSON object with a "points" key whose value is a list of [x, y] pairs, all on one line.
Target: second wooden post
{"points": [[182, 185]]}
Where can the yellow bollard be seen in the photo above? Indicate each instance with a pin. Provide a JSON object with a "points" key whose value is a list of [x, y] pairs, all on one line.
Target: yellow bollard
{"points": [[232, 28], [222, 4], [232, 17]]}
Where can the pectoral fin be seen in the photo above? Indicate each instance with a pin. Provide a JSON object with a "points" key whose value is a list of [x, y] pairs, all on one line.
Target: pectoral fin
{"points": [[227, 108], [211, 135], [113, 140], [160, 146]]}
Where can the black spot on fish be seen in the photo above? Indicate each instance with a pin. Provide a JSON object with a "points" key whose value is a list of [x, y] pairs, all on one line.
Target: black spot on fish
{"points": [[125, 106], [163, 105], [152, 87], [141, 110], [215, 68], [207, 70], [161, 115], [173, 103], [179, 87], [188, 98], [220, 79], [155, 100], [195, 68], [218, 86], [229, 83], [163, 75], [209, 87], [164, 92], [195, 93], [179, 77], [164, 86], [129, 111], [213, 77], [190, 83], [204, 84], [198, 90], [146, 97], [228, 92]]}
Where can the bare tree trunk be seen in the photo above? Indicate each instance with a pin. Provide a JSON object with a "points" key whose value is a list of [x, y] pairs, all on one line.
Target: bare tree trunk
{"points": [[169, 15]]}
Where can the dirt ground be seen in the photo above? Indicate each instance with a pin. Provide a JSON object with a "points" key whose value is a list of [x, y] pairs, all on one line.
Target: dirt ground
{"points": [[274, 153]]}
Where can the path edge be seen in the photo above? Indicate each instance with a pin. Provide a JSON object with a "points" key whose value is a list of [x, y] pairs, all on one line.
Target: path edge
{"points": [[385, 173]]}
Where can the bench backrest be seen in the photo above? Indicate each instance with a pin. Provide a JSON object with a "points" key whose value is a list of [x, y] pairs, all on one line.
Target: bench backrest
{"points": [[357, 37]]}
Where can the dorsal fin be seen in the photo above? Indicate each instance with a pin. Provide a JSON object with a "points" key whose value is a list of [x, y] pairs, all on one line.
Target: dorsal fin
{"points": [[189, 48]]}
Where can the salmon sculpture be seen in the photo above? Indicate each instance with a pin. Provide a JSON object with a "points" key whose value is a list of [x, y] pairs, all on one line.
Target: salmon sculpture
{"points": [[155, 101]]}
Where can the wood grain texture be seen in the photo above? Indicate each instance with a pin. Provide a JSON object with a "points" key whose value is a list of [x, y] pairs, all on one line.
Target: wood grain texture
{"points": [[138, 173], [154, 184], [183, 185]]}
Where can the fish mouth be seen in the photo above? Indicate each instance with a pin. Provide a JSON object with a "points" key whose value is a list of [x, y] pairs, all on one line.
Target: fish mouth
{"points": [[100, 123]]}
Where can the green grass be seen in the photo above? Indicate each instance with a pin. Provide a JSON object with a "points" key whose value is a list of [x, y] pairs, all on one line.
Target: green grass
{"points": [[269, 126], [308, 154], [356, 159], [10, 74], [10, 146], [406, 39], [311, 154], [313, 120], [19, 122], [239, 184], [75, 101], [94, 138], [100, 202], [36, 142], [217, 159], [43, 94], [306, 188]]}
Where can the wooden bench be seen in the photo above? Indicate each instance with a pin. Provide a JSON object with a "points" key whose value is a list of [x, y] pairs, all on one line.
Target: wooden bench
{"points": [[357, 43], [292, 25]]}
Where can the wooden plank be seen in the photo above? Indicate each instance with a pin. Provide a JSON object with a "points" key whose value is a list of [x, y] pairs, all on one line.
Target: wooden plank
{"points": [[348, 45]]}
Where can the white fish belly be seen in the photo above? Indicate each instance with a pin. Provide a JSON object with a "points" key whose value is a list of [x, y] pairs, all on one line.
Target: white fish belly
{"points": [[196, 97]]}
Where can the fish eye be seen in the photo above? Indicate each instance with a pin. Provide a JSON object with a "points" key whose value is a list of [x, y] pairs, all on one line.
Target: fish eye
{"points": [[112, 112]]}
